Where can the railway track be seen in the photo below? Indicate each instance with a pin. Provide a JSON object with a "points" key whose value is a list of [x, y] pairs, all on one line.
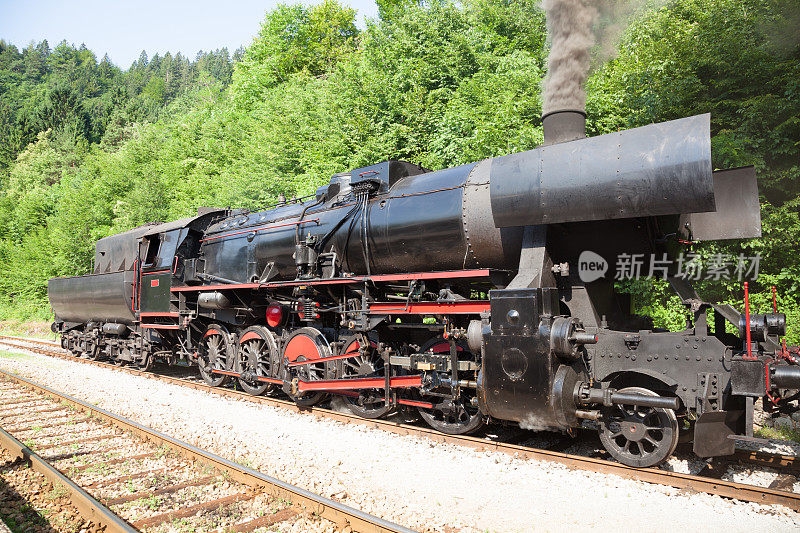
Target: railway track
{"points": [[707, 481], [123, 476]]}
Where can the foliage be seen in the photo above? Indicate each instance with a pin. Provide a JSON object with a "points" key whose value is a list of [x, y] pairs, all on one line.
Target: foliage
{"points": [[293, 39], [732, 59], [87, 149]]}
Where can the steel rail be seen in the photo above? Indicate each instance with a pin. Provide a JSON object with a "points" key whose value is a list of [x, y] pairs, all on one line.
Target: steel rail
{"points": [[85, 503], [688, 482], [338, 513]]}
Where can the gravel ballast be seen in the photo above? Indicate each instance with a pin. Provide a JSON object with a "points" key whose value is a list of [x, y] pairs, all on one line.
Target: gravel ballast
{"points": [[410, 480]]}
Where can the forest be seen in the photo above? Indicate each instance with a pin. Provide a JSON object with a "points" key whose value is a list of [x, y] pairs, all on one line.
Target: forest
{"points": [[88, 149]]}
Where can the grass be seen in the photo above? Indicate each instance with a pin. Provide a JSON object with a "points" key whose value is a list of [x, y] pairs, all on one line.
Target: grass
{"points": [[780, 432], [11, 355], [31, 327], [59, 491], [15, 310], [152, 502]]}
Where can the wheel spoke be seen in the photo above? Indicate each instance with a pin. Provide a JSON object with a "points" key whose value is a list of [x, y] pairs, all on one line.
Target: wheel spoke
{"points": [[649, 439]]}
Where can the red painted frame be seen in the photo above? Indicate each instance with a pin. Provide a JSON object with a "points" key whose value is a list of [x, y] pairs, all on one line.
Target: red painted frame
{"points": [[225, 372], [355, 384], [459, 307]]}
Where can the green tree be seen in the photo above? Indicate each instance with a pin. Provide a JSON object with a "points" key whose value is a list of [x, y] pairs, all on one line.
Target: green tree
{"points": [[293, 39]]}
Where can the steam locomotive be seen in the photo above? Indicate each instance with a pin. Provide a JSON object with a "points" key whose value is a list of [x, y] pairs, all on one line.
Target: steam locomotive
{"points": [[456, 294]]}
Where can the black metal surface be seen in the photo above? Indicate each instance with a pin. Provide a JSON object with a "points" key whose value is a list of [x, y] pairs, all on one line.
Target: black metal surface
{"points": [[118, 252], [98, 297], [785, 376], [107, 295], [748, 377], [661, 402], [712, 431], [737, 214], [385, 174], [418, 225], [456, 218], [115, 329], [654, 170], [669, 363], [155, 293], [639, 436], [519, 369], [213, 300], [563, 126]]}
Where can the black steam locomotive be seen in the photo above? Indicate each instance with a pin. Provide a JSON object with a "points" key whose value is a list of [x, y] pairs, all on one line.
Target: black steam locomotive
{"points": [[456, 293]]}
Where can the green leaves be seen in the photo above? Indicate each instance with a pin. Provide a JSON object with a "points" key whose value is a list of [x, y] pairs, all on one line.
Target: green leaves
{"points": [[294, 39], [439, 83]]}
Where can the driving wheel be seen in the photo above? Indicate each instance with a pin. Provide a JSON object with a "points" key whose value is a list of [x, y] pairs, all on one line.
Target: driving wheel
{"points": [[639, 436], [256, 356], [365, 362], [215, 354]]}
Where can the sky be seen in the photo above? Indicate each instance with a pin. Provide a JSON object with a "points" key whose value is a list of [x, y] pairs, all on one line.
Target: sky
{"points": [[122, 29]]}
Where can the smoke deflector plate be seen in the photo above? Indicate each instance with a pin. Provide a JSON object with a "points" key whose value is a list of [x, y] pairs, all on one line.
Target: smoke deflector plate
{"points": [[738, 214]]}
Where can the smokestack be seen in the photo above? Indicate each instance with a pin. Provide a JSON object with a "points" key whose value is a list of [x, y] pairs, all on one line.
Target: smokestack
{"points": [[563, 125], [569, 27]]}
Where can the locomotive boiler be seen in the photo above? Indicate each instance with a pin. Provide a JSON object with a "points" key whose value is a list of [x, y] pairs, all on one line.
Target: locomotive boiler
{"points": [[457, 294]]}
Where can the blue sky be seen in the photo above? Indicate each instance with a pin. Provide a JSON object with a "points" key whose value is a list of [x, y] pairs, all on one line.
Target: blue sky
{"points": [[124, 28]]}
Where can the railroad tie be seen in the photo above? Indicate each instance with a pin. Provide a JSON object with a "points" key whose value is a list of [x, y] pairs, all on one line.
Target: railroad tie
{"points": [[105, 436], [81, 468], [163, 490], [129, 477], [264, 521], [194, 509], [46, 426]]}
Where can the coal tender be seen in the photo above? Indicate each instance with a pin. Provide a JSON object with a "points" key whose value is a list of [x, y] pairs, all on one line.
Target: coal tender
{"points": [[470, 295]]}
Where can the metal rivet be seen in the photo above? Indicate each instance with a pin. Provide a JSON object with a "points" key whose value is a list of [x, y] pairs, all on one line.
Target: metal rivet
{"points": [[513, 316]]}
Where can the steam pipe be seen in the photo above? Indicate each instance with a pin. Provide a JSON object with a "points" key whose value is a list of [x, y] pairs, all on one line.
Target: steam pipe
{"points": [[785, 376], [585, 395], [661, 402]]}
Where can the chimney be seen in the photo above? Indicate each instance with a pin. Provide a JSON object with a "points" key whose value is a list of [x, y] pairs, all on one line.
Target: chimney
{"points": [[563, 125]]}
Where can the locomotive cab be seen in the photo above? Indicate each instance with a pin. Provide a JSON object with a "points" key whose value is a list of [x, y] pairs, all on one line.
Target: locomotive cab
{"points": [[158, 262]]}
